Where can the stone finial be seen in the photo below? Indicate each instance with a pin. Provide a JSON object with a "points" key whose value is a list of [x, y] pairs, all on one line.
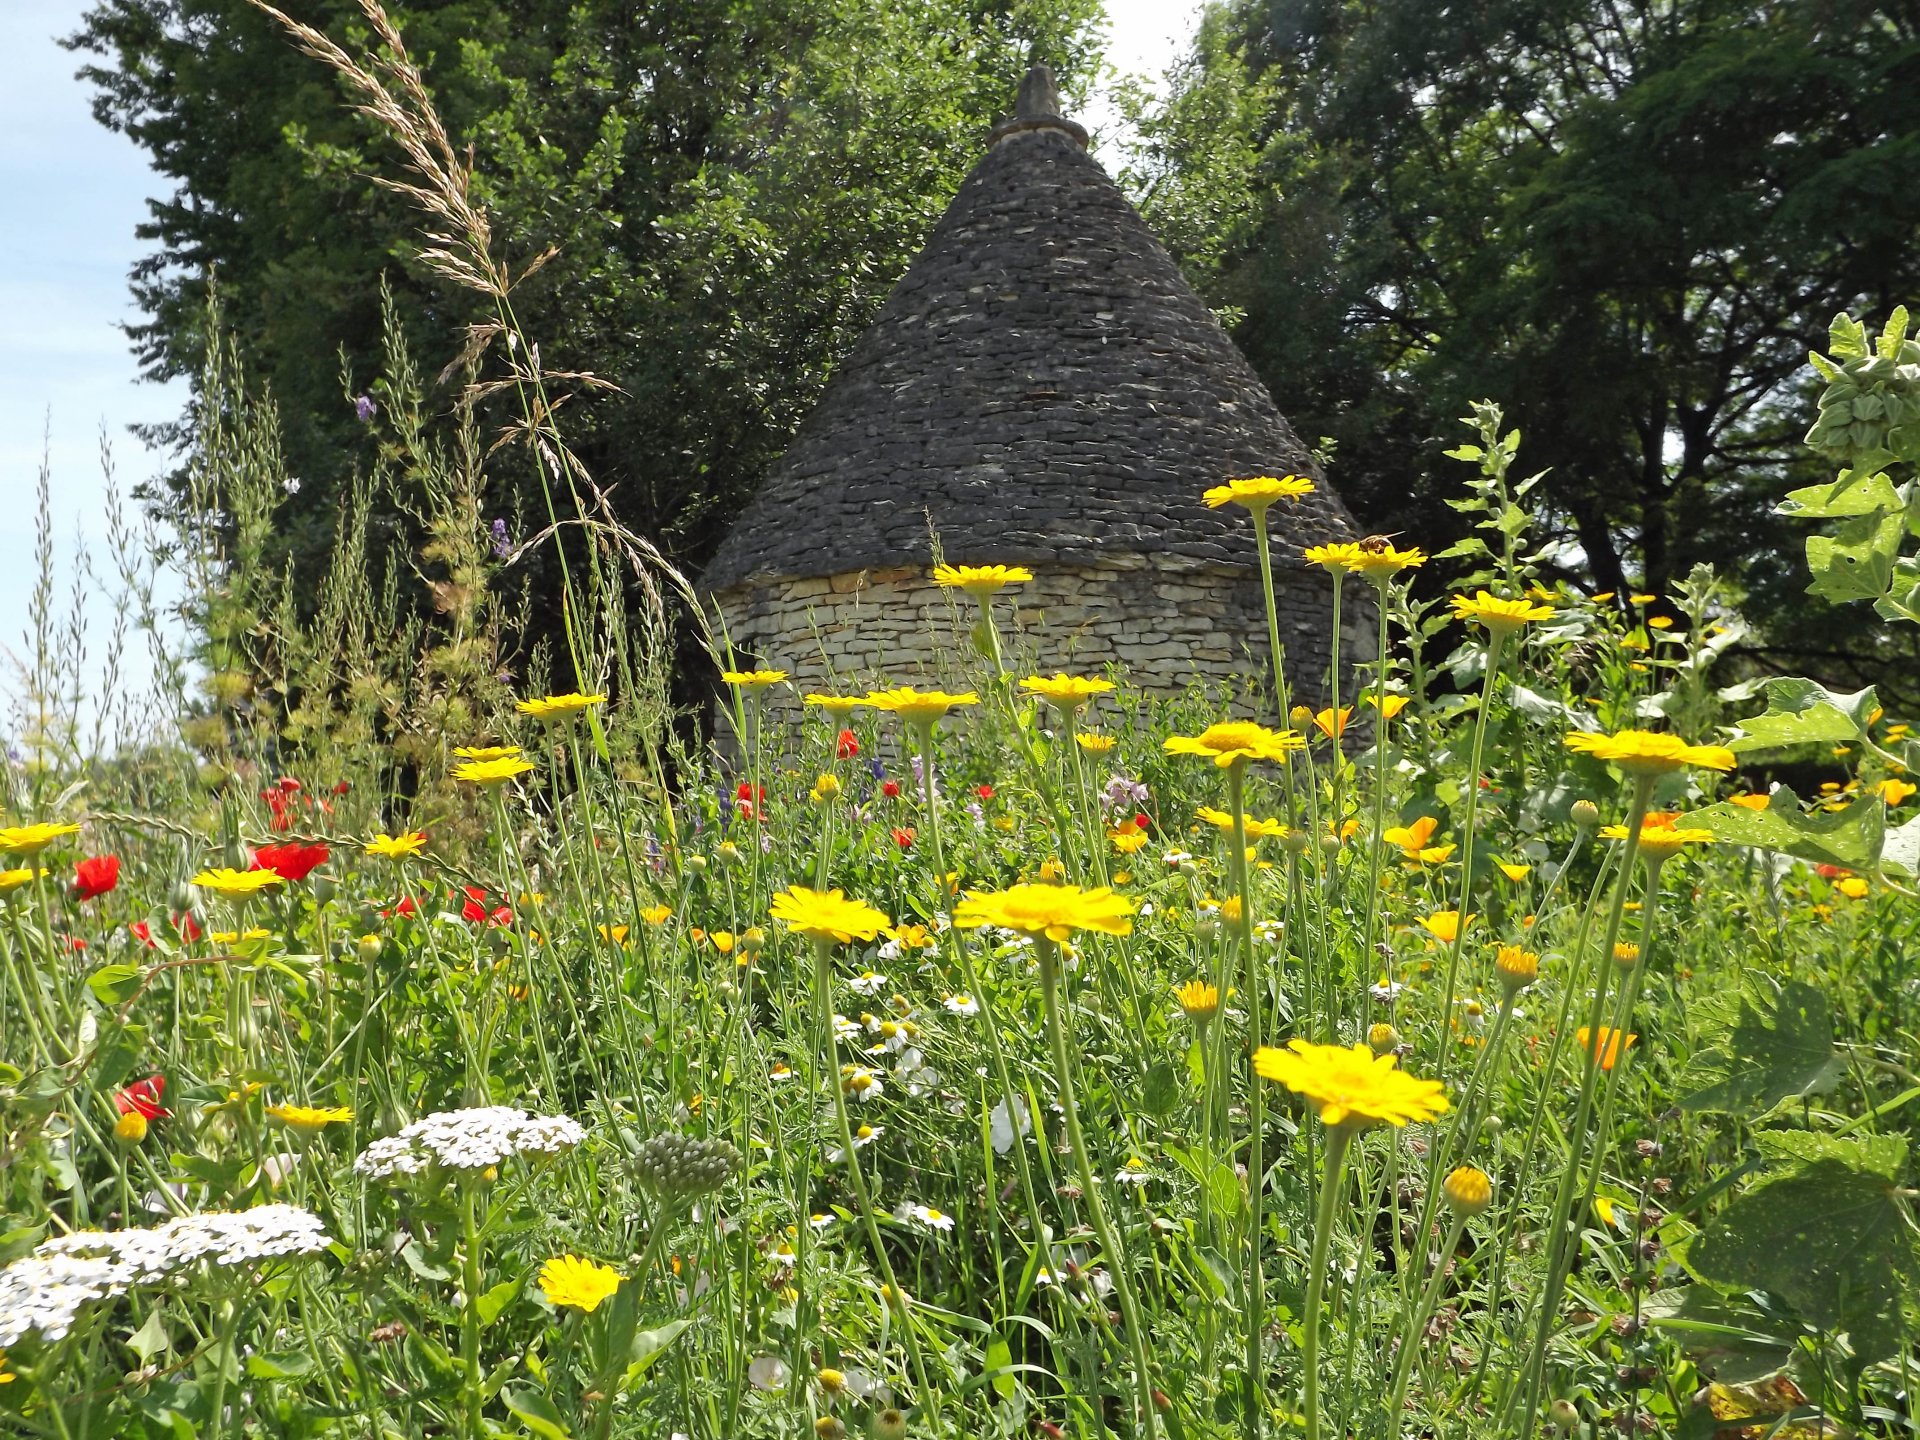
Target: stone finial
{"points": [[1037, 110], [1039, 97]]}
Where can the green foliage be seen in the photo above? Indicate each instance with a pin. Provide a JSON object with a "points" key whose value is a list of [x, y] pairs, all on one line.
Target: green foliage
{"points": [[1766, 1058], [1626, 220], [727, 191], [1832, 1238]]}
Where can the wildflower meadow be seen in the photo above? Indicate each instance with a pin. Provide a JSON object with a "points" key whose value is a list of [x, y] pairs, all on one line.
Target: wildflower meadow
{"points": [[404, 1035]]}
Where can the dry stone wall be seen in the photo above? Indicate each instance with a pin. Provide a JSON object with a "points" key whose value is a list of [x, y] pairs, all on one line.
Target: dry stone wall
{"points": [[1166, 622]]}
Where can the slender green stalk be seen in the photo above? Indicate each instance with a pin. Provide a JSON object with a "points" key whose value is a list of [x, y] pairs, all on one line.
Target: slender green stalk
{"points": [[1339, 1138], [1256, 1113], [1281, 699], [472, 1381], [896, 1298], [1558, 1241], [1417, 1322], [1496, 644], [1049, 957]]}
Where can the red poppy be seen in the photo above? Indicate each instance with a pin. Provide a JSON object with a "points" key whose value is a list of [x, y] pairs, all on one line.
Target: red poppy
{"points": [[985, 792], [95, 876], [1142, 821], [1832, 872], [277, 804], [341, 787], [288, 784], [903, 837], [747, 797], [847, 746], [187, 926], [890, 789], [406, 907], [142, 932], [76, 944], [292, 863], [143, 1098]]}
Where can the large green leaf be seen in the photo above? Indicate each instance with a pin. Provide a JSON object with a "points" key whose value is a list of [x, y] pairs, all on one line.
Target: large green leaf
{"points": [[1802, 712], [1900, 851], [1850, 495], [1768, 1057], [1832, 1241], [1856, 561], [1850, 838], [1883, 1155], [1729, 1339]]}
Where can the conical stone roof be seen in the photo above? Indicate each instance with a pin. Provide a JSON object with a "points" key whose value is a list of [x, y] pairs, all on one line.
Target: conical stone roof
{"points": [[1042, 386]]}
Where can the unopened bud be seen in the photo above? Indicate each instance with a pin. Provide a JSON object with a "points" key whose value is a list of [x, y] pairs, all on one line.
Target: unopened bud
{"points": [[1383, 1039], [370, 947], [1586, 815], [130, 1129], [890, 1424], [1564, 1416], [1295, 842], [696, 863], [1468, 1191]]}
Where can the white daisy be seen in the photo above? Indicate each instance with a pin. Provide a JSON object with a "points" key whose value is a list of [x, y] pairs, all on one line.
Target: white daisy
{"points": [[867, 983], [962, 1004]]}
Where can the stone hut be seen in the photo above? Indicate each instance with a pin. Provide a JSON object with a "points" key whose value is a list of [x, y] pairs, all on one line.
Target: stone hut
{"points": [[1041, 388]]}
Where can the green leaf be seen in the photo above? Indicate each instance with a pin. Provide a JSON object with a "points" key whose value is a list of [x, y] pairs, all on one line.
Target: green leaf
{"points": [[151, 1338], [491, 1303], [1767, 1058], [1851, 494], [1856, 561], [1901, 850], [1850, 838], [1725, 1337], [287, 1365], [649, 1345], [1831, 1241], [1883, 1155], [1162, 1090], [111, 984], [999, 1357], [1802, 712], [536, 1412]]}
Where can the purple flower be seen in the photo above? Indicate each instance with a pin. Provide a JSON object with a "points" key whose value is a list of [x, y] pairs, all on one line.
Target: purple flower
{"points": [[1123, 794], [502, 543], [364, 409]]}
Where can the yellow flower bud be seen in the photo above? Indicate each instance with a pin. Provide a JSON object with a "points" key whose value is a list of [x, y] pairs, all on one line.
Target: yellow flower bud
{"points": [[1468, 1191], [131, 1128]]}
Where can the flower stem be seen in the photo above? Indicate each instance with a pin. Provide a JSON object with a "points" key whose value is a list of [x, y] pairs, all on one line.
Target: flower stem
{"points": [[471, 1384], [895, 1298], [1496, 644], [1281, 698], [1049, 957], [1558, 1243], [1256, 1116], [1338, 1138]]}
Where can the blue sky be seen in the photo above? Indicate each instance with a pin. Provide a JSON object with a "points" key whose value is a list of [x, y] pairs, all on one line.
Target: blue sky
{"points": [[74, 193]]}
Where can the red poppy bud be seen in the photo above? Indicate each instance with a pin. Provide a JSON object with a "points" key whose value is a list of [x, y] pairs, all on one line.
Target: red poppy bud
{"points": [[890, 789], [847, 746]]}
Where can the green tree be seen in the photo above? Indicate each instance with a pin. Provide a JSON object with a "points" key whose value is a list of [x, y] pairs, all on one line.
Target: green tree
{"points": [[1627, 220], [730, 189]]}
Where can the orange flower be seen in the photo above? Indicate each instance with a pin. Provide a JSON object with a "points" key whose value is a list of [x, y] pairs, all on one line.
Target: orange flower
{"points": [[1608, 1047]]}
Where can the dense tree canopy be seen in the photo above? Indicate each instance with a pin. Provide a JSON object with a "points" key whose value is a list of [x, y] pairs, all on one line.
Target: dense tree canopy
{"points": [[732, 187], [1627, 220]]}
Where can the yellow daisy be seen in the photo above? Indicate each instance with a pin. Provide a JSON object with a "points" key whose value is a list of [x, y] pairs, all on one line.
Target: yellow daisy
{"points": [[980, 581], [1257, 492], [1233, 742], [1351, 1086], [1053, 911]]}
